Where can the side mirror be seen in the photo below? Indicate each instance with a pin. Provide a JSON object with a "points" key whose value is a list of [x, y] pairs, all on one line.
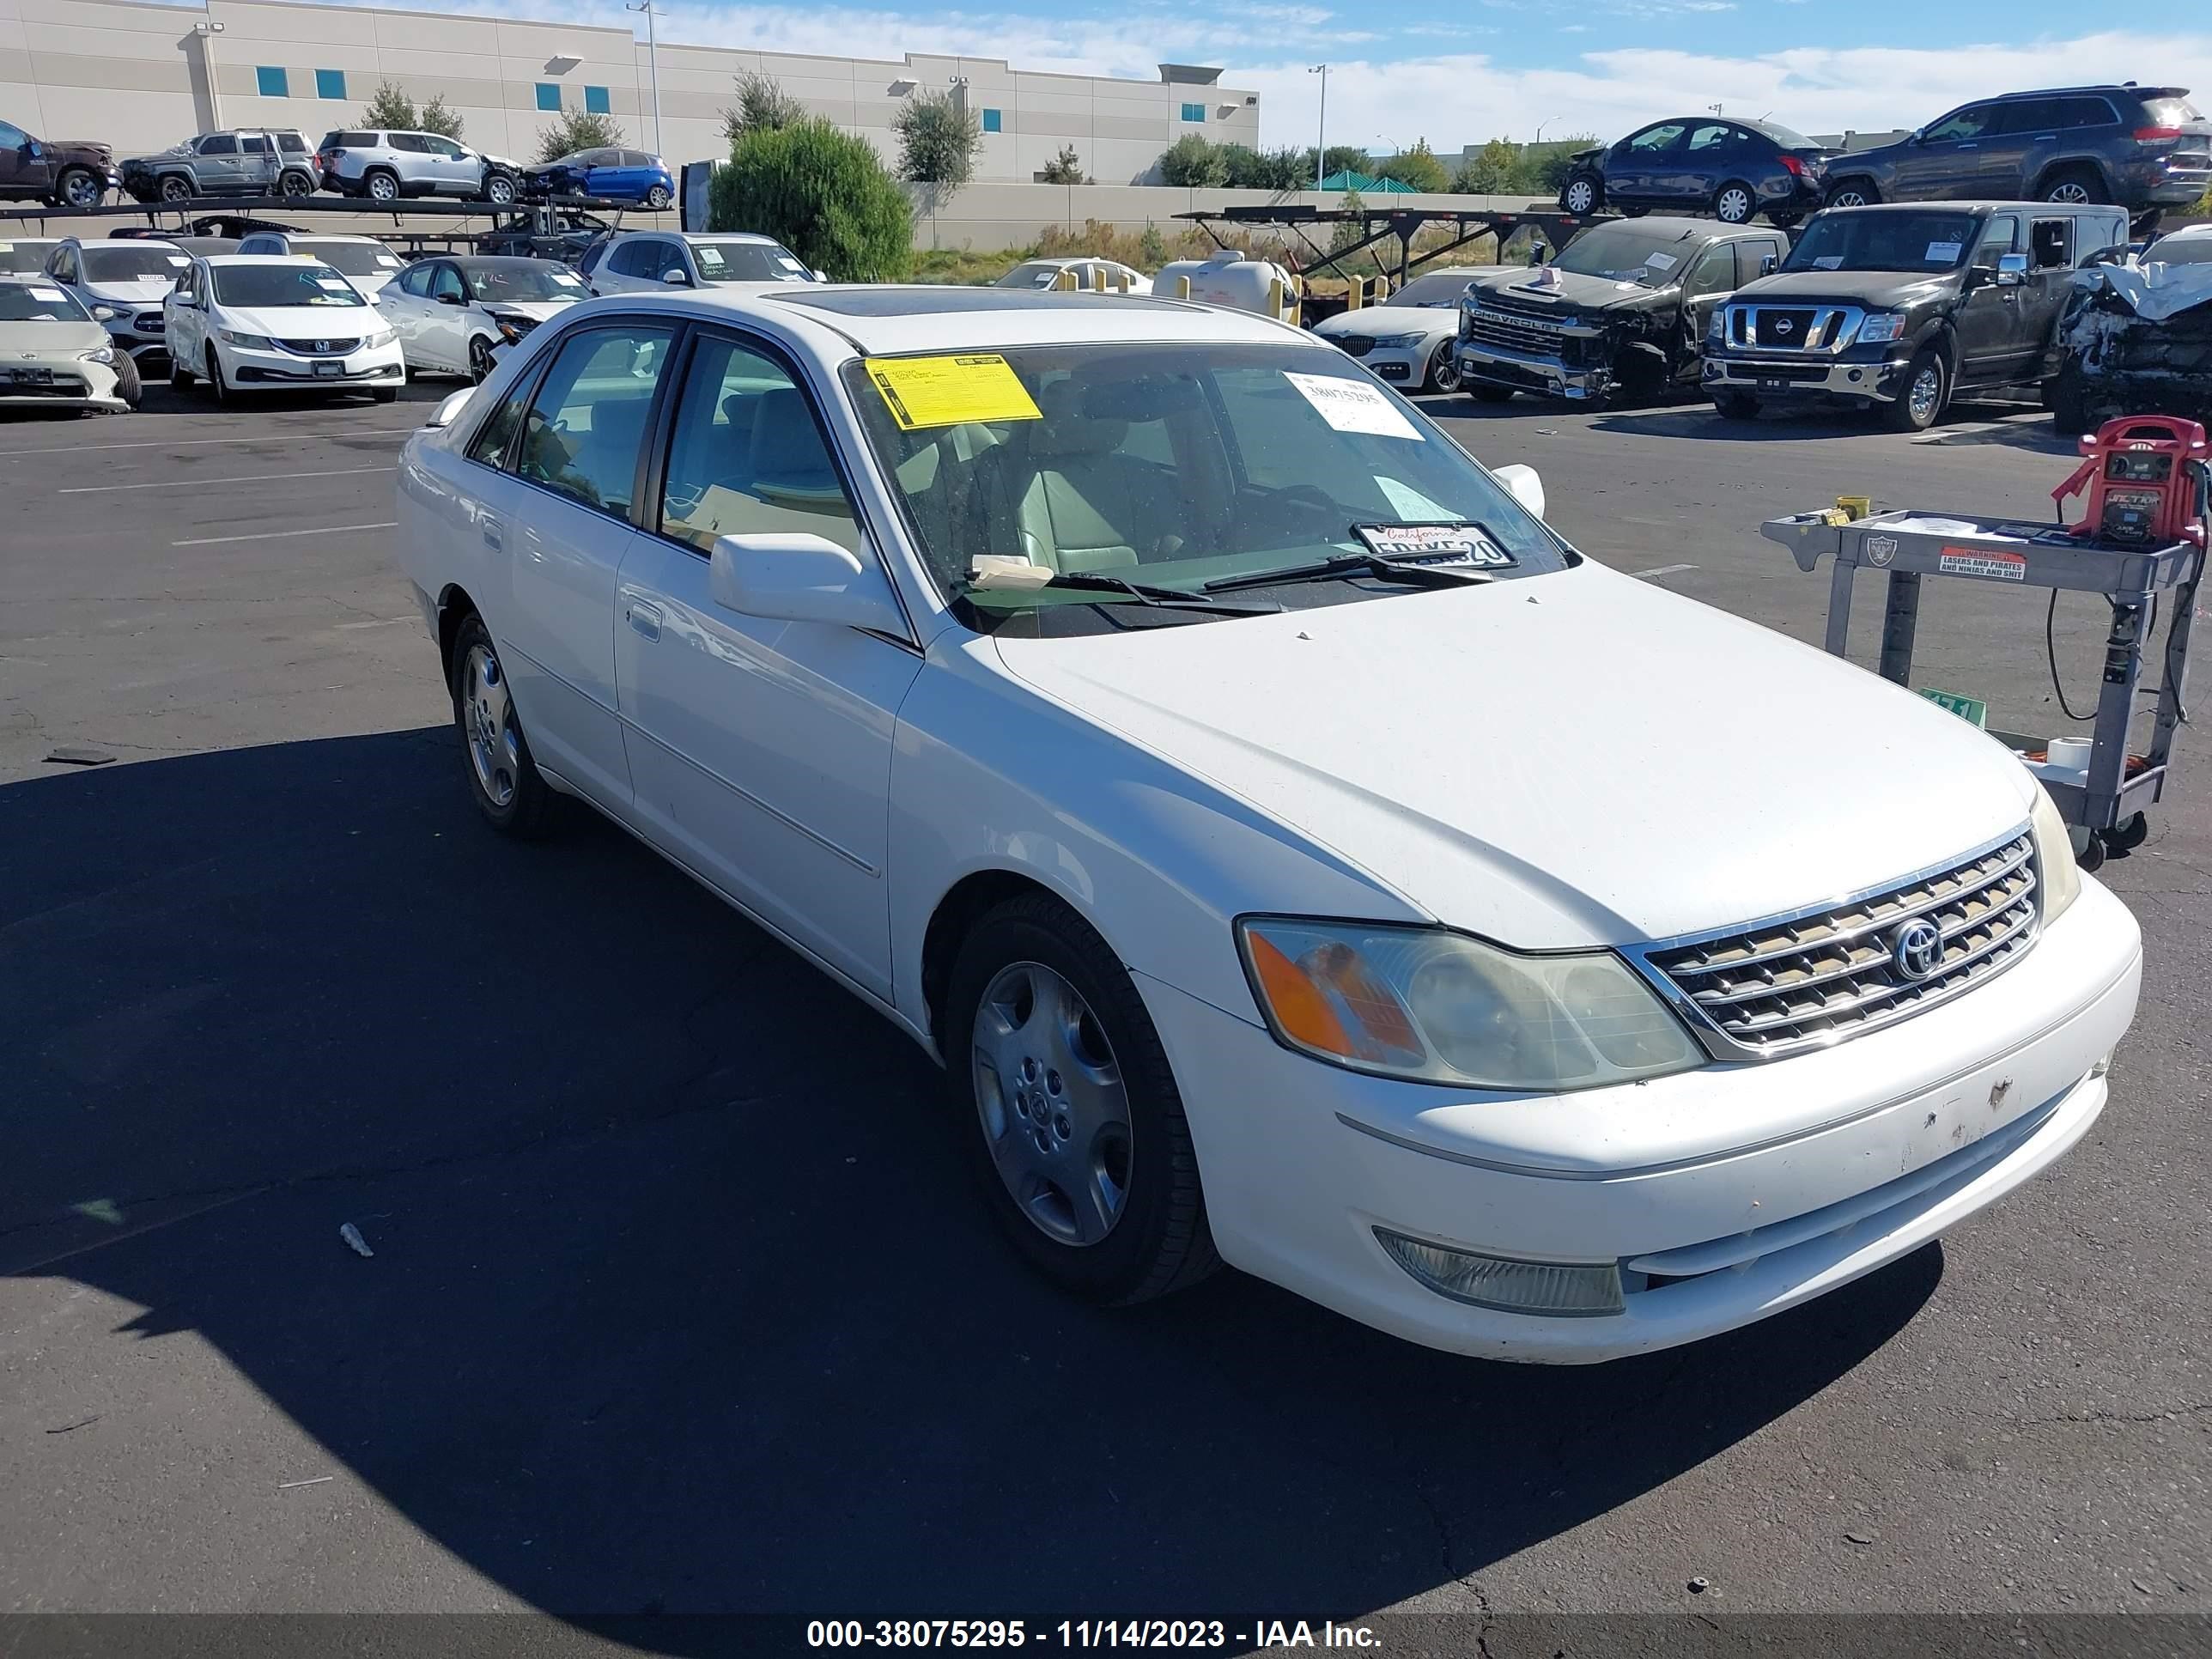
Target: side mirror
{"points": [[821, 275], [798, 576], [1767, 262], [1523, 483], [2011, 269], [450, 410], [678, 279], [452, 300], [1918, 134]]}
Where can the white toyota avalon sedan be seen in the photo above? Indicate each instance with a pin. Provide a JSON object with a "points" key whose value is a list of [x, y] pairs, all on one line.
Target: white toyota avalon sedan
{"points": [[1296, 854]]}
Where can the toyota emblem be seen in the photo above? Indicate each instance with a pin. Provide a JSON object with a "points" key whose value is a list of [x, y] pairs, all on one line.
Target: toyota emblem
{"points": [[1786, 326], [1917, 948]]}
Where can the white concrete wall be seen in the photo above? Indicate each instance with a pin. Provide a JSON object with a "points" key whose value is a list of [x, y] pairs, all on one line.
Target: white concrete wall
{"points": [[133, 75]]}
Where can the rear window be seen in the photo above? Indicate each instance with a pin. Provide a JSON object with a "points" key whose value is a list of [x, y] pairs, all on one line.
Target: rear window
{"points": [[2171, 112], [349, 141], [1787, 137]]}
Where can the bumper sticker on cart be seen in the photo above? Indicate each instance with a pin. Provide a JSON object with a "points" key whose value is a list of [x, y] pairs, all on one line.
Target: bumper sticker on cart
{"points": [[1998, 567]]}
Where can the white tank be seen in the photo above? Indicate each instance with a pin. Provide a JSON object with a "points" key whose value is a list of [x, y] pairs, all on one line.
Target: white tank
{"points": [[1227, 279]]}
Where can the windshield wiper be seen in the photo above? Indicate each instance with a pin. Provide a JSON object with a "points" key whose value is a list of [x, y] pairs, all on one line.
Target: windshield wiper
{"points": [[1356, 564], [1095, 581]]}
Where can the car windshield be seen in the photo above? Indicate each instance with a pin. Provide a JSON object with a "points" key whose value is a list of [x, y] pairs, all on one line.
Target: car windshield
{"points": [[1625, 254], [1884, 241], [132, 262], [1173, 466], [279, 286], [40, 302], [747, 262], [354, 258], [1439, 288], [527, 281], [24, 256]]}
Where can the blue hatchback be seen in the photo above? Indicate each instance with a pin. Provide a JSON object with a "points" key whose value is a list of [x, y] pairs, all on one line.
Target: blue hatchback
{"points": [[606, 175]]}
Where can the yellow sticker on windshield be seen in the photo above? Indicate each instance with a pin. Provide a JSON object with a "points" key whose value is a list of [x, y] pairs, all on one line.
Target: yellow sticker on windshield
{"points": [[927, 392]]}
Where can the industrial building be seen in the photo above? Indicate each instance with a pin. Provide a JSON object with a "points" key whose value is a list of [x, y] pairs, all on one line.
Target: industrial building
{"points": [[143, 76]]}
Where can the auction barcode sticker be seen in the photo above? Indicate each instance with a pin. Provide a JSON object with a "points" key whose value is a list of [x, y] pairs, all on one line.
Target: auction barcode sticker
{"points": [[1966, 561]]}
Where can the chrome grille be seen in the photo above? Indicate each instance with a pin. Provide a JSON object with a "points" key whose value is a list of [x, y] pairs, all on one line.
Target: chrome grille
{"points": [[1489, 324], [1820, 977]]}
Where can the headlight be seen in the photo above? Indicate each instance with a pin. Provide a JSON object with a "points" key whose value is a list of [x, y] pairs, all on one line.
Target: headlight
{"points": [[105, 354], [1396, 342], [1717, 326], [251, 341], [508, 331], [1882, 326], [2054, 851], [382, 337], [1439, 1006], [105, 314]]}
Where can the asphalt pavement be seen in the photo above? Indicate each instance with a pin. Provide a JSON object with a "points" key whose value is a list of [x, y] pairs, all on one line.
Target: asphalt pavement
{"points": [[678, 1301]]}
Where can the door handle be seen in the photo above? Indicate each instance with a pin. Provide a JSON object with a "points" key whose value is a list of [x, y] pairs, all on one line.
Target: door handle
{"points": [[493, 536], [644, 619]]}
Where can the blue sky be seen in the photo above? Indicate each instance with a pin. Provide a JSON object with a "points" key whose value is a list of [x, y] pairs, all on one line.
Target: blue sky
{"points": [[1462, 72]]}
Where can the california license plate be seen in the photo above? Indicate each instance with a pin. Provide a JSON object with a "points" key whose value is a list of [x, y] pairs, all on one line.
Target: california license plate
{"points": [[329, 368]]}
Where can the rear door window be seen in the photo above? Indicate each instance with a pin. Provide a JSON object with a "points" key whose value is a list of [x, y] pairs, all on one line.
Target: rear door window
{"points": [[586, 428], [2030, 115], [1711, 138], [2051, 244], [408, 144], [254, 144]]}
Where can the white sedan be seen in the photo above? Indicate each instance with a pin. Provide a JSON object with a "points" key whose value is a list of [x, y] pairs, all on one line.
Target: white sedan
{"points": [[1084, 273], [1408, 339], [1296, 854], [453, 312], [239, 322]]}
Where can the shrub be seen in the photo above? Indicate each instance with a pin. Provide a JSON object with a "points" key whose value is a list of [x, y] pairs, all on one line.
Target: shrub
{"points": [[824, 194], [1493, 170], [762, 107], [1065, 168], [576, 130], [1417, 167], [1192, 163], [940, 138], [391, 108]]}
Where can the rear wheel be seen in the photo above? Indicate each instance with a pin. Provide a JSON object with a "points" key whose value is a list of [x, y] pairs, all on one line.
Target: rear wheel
{"points": [[2074, 183], [1074, 1126], [503, 780], [1736, 405], [381, 186], [657, 198], [1580, 195], [1734, 203], [1852, 192], [1920, 399], [295, 186]]}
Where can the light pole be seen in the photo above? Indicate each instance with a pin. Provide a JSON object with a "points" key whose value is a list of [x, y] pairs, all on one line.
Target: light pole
{"points": [[652, 57], [1321, 132], [1542, 125], [206, 33]]}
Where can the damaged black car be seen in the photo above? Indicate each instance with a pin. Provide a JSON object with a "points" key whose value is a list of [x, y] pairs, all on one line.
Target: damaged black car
{"points": [[1617, 317], [2137, 337]]}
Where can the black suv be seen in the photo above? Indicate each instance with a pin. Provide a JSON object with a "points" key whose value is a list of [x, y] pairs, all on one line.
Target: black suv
{"points": [[1617, 315], [1901, 307], [2144, 149]]}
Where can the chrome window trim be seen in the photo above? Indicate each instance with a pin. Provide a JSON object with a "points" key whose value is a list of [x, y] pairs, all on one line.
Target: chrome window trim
{"points": [[1719, 1043]]}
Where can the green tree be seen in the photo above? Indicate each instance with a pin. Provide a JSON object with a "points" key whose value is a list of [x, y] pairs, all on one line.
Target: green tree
{"points": [[1192, 163], [1418, 167], [1494, 170], [389, 109], [437, 116], [1065, 168], [1151, 247], [940, 138], [1547, 163], [824, 194], [1348, 233], [762, 107], [1340, 158], [577, 129]]}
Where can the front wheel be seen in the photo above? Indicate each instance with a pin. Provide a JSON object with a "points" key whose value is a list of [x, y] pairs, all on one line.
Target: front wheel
{"points": [[2069, 399], [127, 386], [499, 190], [480, 363], [1736, 405], [657, 198], [1920, 399], [216, 390], [1734, 203], [78, 187], [503, 780], [1580, 195], [385, 394], [1484, 392], [1443, 370], [1073, 1123]]}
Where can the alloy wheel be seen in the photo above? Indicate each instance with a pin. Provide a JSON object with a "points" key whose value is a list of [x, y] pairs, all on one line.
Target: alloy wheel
{"points": [[2072, 190], [382, 189], [1444, 372], [175, 188], [500, 191], [81, 190], [1847, 198], [1055, 1110], [1925, 392], [480, 364], [495, 741]]}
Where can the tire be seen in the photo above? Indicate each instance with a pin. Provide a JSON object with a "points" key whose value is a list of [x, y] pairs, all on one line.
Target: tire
{"points": [[174, 187], [380, 184], [2128, 834], [1634, 212], [1784, 220], [657, 198], [2073, 184], [2092, 857], [1917, 406], [217, 390], [1094, 1182], [499, 190], [480, 363], [1443, 370], [181, 375], [295, 186], [78, 187], [1582, 193], [1851, 192], [1735, 405], [127, 386], [503, 779], [1735, 203], [1484, 392], [385, 394], [2070, 400]]}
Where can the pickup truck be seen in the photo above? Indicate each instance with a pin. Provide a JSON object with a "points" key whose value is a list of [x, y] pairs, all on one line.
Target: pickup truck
{"points": [[1903, 306]]}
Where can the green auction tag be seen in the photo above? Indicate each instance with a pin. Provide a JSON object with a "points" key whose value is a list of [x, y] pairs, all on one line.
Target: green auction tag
{"points": [[1971, 710]]}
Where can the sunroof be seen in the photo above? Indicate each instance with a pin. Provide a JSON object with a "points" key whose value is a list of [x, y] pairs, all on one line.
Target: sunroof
{"points": [[923, 302]]}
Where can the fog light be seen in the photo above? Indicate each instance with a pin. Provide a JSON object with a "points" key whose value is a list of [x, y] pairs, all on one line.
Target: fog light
{"points": [[1489, 1281], [1855, 377], [2104, 1064]]}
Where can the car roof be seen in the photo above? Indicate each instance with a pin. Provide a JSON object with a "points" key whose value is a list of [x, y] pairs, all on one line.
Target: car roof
{"points": [[892, 320], [2044, 210], [123, 241], [1666, 224], [319, 236], [224, 261], [713, 236], [492, 261], [2130, 89]]}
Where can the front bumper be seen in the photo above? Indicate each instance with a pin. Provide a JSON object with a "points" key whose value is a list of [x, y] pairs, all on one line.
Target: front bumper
{"points": [[1723, 1196], [1402, 366], [142, 332], [1780, 377], [372, 366], [1531, 371], [76, 384]]}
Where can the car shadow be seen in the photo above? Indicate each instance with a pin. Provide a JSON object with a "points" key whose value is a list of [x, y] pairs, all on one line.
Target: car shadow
{"points": [[678, 1303]]}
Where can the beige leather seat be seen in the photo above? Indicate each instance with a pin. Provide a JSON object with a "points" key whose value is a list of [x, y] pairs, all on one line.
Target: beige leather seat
{"points": [[1079, 504]]}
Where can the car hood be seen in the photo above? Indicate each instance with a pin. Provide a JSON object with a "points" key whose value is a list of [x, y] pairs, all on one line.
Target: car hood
{"points": [[138, 291], [1563, 760], [48, 341], [538, 311], [1880, 288], [302, 322], [1377, 321], [1575, 291], [175, 152]]}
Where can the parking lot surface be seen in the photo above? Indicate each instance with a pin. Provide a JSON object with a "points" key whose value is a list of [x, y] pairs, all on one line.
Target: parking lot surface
{"points": [[678, 1302]]}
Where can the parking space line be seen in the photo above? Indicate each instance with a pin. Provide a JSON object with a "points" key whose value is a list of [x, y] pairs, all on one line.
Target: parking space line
{"points": [[279, 535], [252, 477], [381, 622], [196, 443], [1661, 571]]}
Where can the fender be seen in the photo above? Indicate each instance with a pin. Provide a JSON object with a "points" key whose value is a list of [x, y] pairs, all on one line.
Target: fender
{"points": [[2095, 164]]}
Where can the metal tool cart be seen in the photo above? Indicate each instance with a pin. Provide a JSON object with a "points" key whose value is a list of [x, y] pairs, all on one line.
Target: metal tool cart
{"points": [[2105, 801]]}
